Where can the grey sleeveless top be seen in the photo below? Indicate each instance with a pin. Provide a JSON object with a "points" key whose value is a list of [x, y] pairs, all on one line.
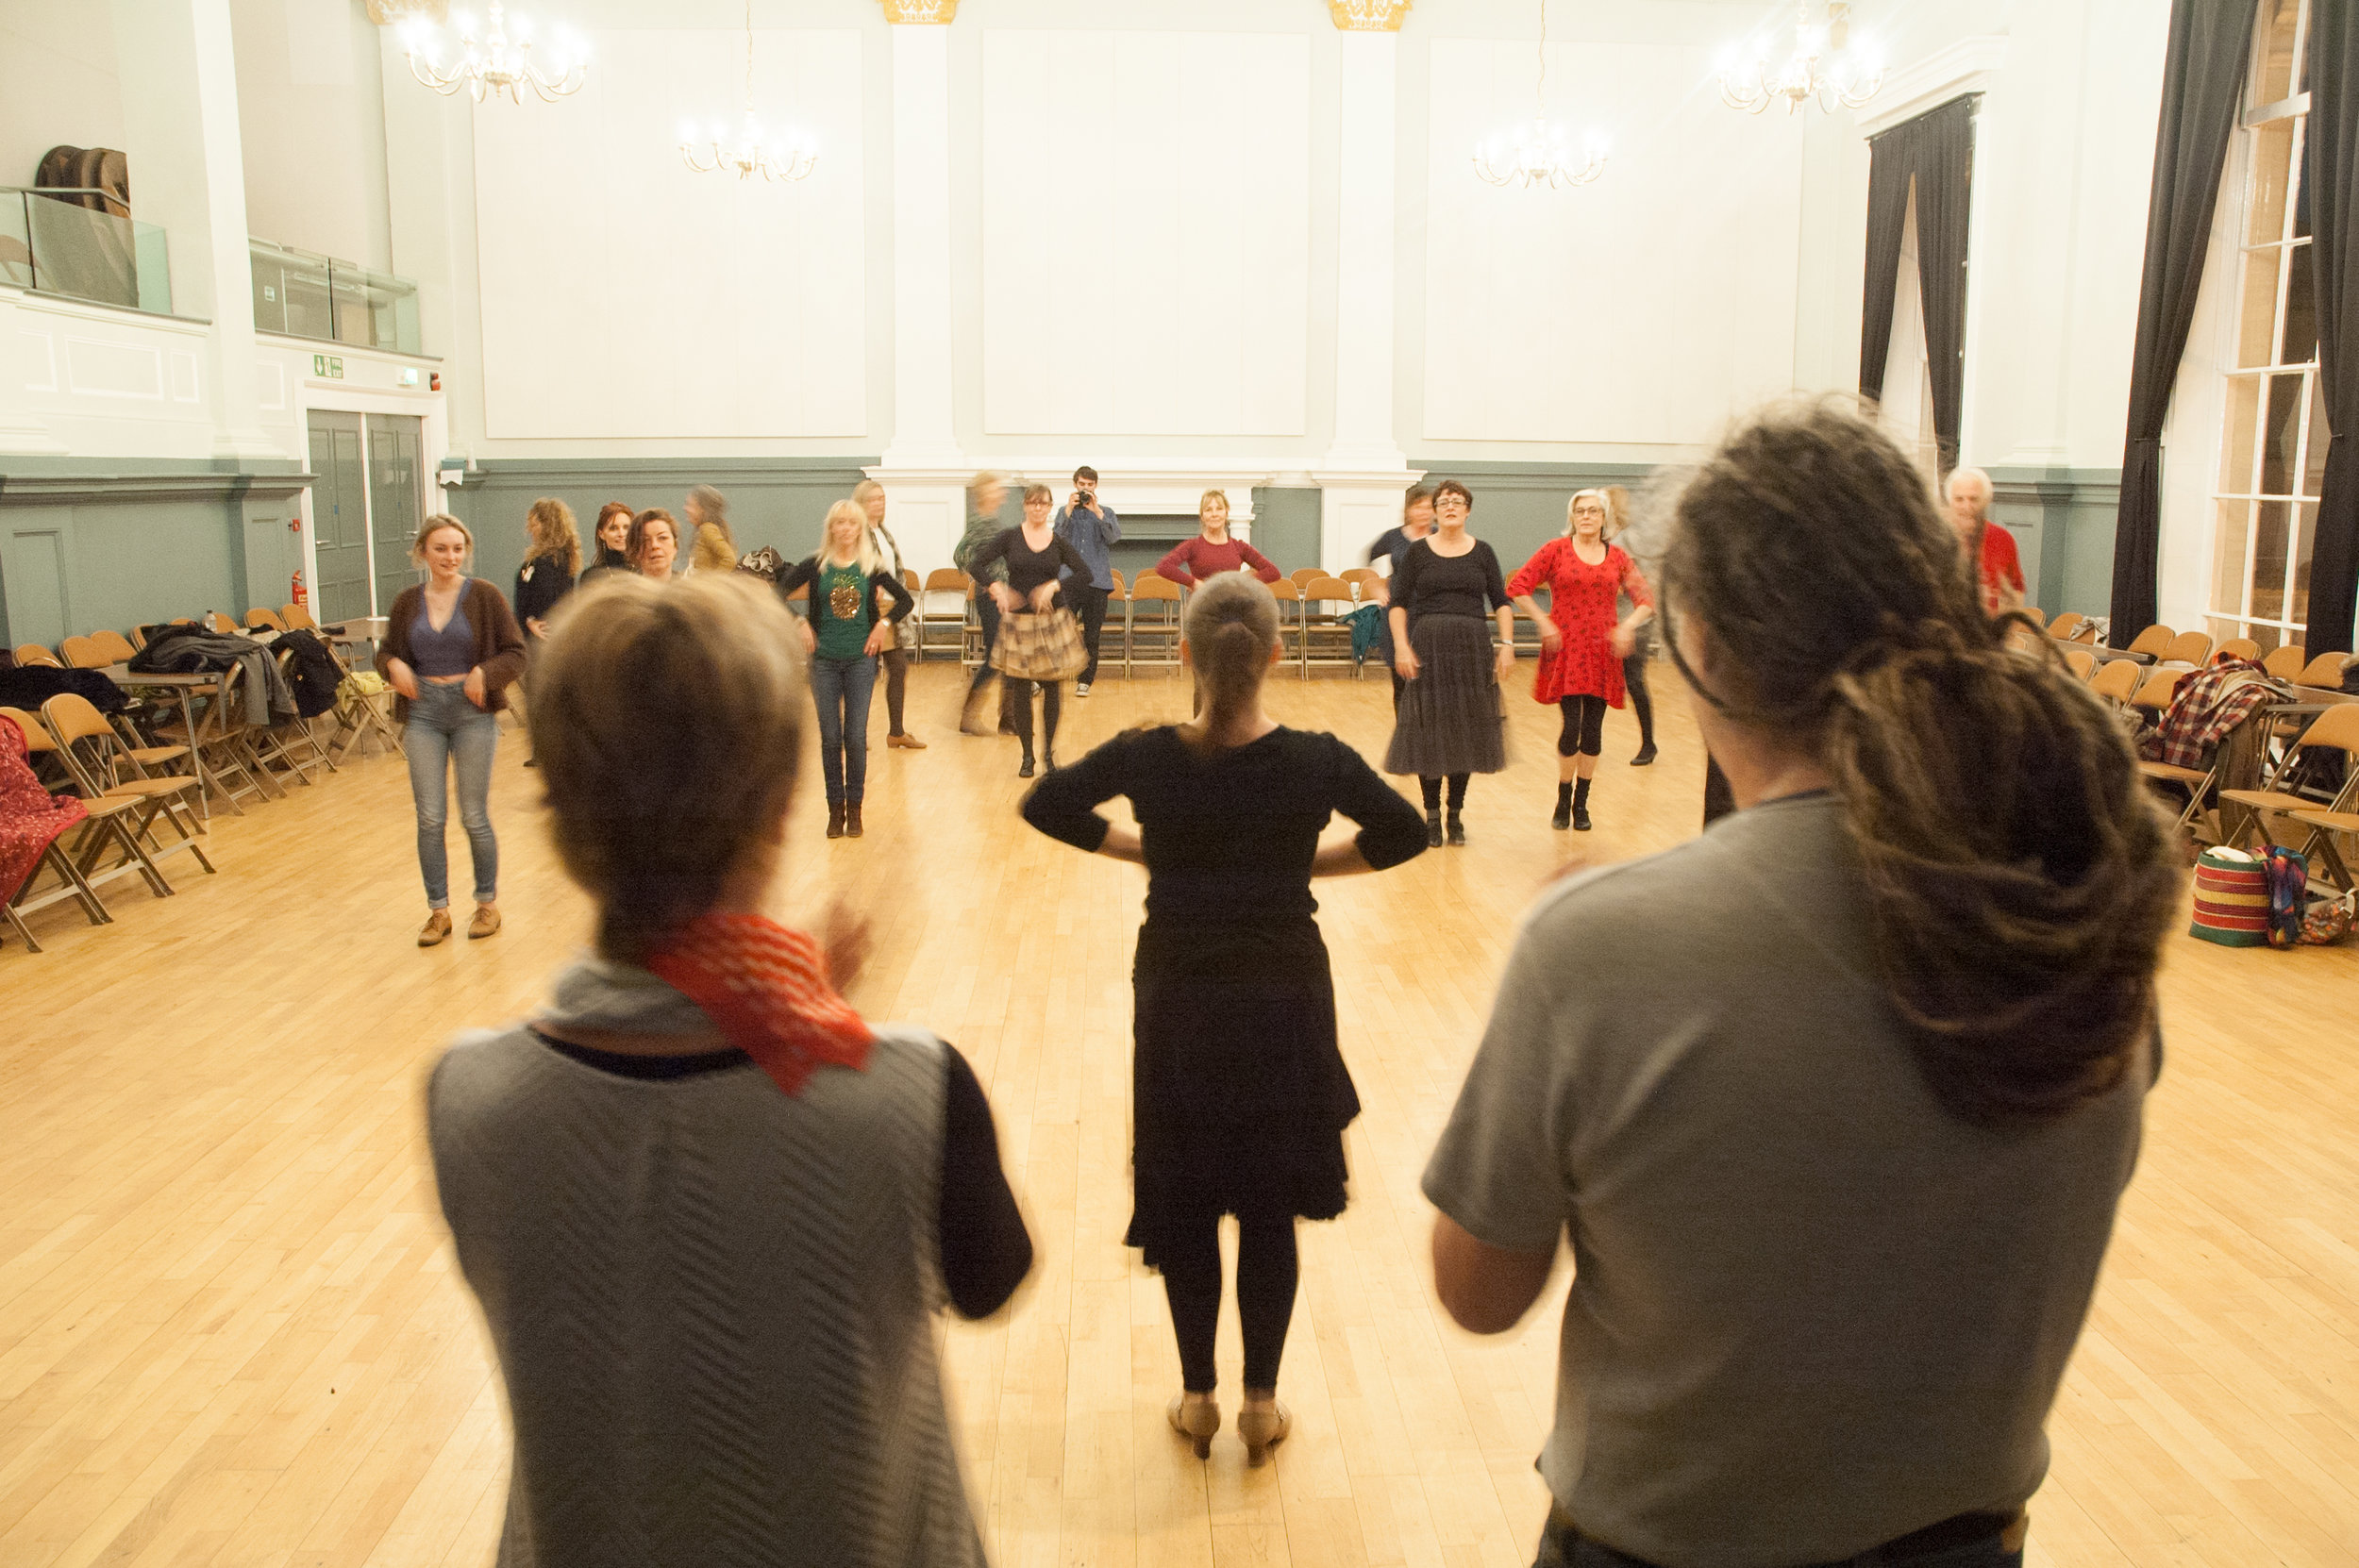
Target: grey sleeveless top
{"points": [[714, 1306]]}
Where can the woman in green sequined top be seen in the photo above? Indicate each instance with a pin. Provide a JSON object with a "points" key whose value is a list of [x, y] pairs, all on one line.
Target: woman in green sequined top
{"points": [[844, 633]]}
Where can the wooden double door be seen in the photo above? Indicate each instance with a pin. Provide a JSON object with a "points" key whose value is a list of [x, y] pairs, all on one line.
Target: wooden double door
{"points": [[368, 500]]}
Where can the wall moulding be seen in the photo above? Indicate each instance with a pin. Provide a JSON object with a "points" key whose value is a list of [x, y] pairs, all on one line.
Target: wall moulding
{"points": [[1365, 16], [920, 13]]}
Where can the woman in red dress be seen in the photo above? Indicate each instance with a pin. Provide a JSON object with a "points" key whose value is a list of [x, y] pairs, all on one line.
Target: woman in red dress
{"points": [[1582, 646]]}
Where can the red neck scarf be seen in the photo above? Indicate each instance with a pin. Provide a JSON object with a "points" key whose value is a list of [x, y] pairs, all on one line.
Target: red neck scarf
{"points": [[766, 989]]}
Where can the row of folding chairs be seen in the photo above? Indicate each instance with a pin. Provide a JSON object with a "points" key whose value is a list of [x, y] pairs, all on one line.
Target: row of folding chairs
{"points": [[127, 796]]}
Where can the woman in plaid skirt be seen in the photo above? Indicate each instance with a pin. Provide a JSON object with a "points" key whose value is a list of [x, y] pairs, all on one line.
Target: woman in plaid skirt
{"points": [[1034, 614]]}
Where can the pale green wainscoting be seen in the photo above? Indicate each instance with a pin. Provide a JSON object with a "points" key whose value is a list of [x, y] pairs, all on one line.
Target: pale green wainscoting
{"points": [[2063, 522], [117, 542]]}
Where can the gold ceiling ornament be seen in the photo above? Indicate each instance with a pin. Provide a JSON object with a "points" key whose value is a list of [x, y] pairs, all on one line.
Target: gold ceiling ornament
{"points": [[920, 13], [392, 13], [1364, 16]]}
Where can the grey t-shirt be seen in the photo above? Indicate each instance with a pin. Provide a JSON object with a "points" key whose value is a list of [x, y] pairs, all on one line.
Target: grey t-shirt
{"points": [[1811, 1311]]}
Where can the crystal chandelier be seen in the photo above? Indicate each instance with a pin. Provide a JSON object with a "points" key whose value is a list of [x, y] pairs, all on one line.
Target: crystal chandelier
{"points": [[1539, 156], [1846, 80], [495, 66], [784, 161]]}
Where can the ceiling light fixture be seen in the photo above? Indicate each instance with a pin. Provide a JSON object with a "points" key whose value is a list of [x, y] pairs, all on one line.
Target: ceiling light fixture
{"points": [[496, 66], [785, 161], [1849, 80], [1540, 154]]}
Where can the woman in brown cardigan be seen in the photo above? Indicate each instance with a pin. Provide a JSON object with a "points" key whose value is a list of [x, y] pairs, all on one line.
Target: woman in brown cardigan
{"points": [[452, 647]]}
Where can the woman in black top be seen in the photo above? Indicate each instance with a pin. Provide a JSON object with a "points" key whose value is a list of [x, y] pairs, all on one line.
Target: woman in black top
{"points": [[1034, 556], [1239, 1095], [546, 576], [613, 533], [1449, 723]]}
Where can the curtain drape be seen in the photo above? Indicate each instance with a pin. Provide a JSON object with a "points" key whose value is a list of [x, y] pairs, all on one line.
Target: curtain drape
{"points": [[1935, 152], [2203, 73], [2332, 181]]}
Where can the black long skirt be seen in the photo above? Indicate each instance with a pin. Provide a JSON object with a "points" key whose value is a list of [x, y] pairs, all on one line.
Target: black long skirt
{"points": [[1239, 1095]]}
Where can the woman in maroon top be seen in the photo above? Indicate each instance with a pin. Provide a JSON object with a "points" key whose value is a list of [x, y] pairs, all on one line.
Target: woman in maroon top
{"points": [[1582, 646], [1213, 551]]}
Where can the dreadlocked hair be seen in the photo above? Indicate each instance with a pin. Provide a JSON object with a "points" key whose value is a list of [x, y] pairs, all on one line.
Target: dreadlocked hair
{"points": [[2019, 877]]}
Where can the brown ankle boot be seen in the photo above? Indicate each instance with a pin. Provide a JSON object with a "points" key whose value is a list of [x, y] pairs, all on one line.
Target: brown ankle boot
{"points": [[851, 822], [835, 819]]}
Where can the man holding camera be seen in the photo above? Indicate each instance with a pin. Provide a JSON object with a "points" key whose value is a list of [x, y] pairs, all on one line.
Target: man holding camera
{"points": [[1088, 526]]}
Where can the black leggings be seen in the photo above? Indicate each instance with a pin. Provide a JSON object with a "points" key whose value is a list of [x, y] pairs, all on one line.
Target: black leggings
{"points": [[1020, 694], [1584, 726], [1267, 1269], [1641, 700], [1431, 790], [896, 665]]}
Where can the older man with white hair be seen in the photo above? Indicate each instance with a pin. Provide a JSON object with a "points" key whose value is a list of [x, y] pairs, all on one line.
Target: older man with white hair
{"points": [[1990, 547]]}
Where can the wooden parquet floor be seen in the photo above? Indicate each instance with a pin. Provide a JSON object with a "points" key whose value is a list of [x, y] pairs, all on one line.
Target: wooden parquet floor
{"points": [[231, 1333]]}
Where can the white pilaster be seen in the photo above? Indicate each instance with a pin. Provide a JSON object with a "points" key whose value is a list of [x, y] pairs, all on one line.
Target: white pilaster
{"points": [[924, 436], [1361, 476], [179, 83], [21, 432]]}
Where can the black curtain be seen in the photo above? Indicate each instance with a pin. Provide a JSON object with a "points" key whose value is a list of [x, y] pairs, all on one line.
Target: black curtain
{"points": [[1935, 152], [2203, 72], [2331, 181]]}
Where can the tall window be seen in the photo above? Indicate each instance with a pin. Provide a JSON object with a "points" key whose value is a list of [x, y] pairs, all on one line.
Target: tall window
{"points": [[2273, 440]]}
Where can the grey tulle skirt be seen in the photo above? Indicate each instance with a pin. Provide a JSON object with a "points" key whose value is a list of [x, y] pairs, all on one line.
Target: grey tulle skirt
{"points": [[1450, 720]]}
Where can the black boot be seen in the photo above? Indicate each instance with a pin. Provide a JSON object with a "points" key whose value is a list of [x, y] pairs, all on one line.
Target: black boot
{"points": [[1564, 817], [835, 819], [1434, 829], [1646, 755], [1026, 771], [1457, 832], [1581, 806]]}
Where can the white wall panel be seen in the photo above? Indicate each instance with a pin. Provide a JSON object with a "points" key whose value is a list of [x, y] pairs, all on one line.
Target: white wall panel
{"points": [[624, 296], [1146, 233], [1643, 308]]}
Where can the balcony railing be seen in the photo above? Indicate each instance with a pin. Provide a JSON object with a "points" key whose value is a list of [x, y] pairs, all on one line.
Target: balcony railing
{"points": [[71, 242], [305, 296]]}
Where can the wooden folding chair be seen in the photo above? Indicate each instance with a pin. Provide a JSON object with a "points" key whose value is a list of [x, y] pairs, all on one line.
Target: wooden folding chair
{"points": [[108, 825], [29, 898], [2152, 698], [2325, 672], [2116, 681], [1360, 578], [1327, 606], [1151, 620], [2237, 647], [2081, 662], [1302, 574], [2149, 643], [84, 653], [2336, 729], [296, 618], [260, 619], [220, 734], [2191, 648], [283, 742], [1289, 597], [941, 611], [102, 768], [33, 653]]}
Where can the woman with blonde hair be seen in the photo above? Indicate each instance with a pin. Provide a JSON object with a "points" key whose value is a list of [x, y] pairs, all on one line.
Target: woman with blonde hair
{"points": [[870, 497], [1582, 646], [710, 1212], [552, 560], [845, 634], [451, 650], [652, 546], [1239, 1094], [1836, 1102], [714, 548], [1213, 551]]}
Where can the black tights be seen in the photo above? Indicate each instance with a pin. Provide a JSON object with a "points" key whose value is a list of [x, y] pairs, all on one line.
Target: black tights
{"points": [[1431, 789], [1020, 695], [1641, 700], [1584, 726], [1267, 1269]]}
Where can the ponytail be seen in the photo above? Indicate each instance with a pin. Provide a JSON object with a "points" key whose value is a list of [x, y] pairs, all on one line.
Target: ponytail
{"points": [[1232, 625], [2019, 877]]}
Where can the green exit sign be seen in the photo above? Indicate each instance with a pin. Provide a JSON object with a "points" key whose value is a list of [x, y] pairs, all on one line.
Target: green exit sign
{"points": [[328, 366]]}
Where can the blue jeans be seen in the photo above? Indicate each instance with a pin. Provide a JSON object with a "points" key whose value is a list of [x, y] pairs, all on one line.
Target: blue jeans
{"points": [[842, 688], [446, 729]]}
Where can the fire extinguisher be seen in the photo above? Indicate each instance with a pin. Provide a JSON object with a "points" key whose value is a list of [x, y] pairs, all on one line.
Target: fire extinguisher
{"points": [[302, 599]]}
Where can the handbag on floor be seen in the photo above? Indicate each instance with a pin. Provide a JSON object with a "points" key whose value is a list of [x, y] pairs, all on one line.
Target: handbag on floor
{"points": [[2232, 899], [1043, 645]]}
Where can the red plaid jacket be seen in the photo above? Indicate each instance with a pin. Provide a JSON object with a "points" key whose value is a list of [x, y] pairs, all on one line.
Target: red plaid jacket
{"points": [[2207, 704]]}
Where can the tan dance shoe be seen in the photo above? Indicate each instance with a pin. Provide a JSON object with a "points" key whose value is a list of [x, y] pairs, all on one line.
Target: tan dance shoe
{"points": [[485, 921], [906, 742], [1196, 1417], [1264, 1428], [436, 930]]}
